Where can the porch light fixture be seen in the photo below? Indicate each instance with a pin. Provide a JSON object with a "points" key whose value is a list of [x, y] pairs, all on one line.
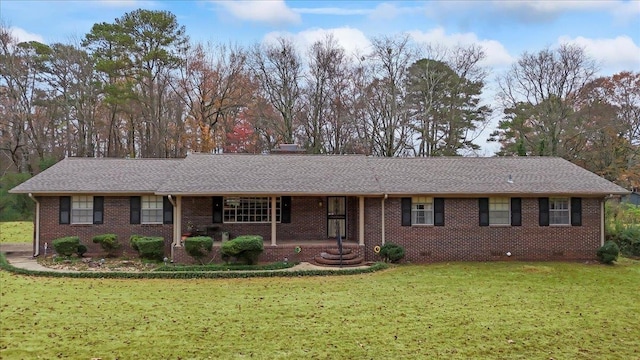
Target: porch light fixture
{"points": [[320, 203]]}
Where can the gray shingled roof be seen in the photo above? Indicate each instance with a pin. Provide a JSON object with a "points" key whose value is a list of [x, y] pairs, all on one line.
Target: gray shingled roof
{"points": [[268, 174], [321, 175], [474, 176], [104, 175]]}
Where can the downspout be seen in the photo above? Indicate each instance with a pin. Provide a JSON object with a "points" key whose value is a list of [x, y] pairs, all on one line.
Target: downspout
{"points": [[37, 226], [602, 210], [383, 230], [175, 211]]}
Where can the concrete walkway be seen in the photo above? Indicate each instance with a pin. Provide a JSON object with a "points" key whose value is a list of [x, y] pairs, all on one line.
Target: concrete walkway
{"points": [[20, 255]]}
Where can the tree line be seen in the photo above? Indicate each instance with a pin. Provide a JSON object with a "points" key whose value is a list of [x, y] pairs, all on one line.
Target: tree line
{"points": [[138, 87]]}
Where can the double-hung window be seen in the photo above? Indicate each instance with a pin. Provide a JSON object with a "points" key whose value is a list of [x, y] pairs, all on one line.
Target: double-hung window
{"points": [[499, 211], [559, 211], [250, 209], [82, 209], [151, 209], [421, 210]]}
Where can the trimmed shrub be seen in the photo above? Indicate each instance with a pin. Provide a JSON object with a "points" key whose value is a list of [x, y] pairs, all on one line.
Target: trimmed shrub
{"points": [[198, 246], [608, 253], [149, 247], [108, 242], [132, 241], [81, 250], [245, 248], [391, 252], [66, 246]]}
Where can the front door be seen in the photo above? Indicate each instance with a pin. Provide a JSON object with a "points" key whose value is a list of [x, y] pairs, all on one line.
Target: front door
{"points": [[336, 216]]}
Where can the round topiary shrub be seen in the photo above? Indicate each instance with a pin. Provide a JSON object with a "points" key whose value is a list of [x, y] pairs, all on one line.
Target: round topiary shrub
{"points": [[608, 253], [66, 246], [198, 247], [391, 252], [108, 242], [246, 248], [81, 250]]}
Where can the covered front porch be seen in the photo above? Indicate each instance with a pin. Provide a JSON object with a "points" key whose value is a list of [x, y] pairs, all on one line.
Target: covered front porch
{"points": [[296, 228]]}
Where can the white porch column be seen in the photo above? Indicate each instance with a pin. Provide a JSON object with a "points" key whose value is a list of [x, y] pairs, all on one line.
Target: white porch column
{"points": [[273, 221], [177, 222], [361, 221]]}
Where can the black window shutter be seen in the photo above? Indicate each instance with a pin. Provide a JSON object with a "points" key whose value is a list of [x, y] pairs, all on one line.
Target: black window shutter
{"points": [[217, 209], [285, 211], [406, 211], [438, 211], [516, 212], [576, 211], [483, 207], [167, 211], [543, 209], [98, 209], [65, 209], [134, 213]]}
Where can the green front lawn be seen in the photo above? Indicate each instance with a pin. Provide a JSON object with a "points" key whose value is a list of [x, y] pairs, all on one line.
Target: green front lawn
{"points": [[504, 310], [16, 232]]}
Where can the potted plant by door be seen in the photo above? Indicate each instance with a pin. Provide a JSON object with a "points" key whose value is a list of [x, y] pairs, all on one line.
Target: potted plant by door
{"points": [[189, 232]]}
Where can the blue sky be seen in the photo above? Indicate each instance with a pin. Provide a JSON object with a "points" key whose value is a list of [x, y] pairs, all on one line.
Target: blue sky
{"points": [[608, 30]]}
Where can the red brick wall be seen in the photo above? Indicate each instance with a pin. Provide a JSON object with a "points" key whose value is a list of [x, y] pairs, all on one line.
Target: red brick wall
{"points": [[463, 239], [308, 220], [460, 239], [116, 221]]}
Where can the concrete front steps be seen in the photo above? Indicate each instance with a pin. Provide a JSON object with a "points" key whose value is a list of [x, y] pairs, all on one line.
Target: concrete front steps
{"points": [[331, 257]]}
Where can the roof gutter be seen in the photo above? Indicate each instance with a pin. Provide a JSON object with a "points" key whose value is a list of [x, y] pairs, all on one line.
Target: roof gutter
{"points": [[36, 237]]}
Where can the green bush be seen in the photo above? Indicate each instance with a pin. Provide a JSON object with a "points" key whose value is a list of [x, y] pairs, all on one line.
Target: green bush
{"points": [[14, 207], [198, 246], [66, 246], [108, 242], [608, 253], [391, 252], [81, 250], [245, 248], [148, 247], [629, 240], [133, 240]]}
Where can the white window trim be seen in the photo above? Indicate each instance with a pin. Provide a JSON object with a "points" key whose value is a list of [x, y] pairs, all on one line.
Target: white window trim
{"points": [[156, 200], [226, 207], [568, 211], [76, 199], [429, 214], [492, 218]]}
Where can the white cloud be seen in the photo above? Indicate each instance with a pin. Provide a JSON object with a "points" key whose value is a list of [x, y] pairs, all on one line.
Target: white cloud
{"points": [[534, 9], [553, 6], [273, 12], [615, 55], [332, 11], [352, 40], [496, 54], [389, 11], [385, 11], [23, 35]]}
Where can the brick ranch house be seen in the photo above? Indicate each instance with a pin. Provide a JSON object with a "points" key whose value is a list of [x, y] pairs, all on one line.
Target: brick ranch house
{"points": [[439, 209]]}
